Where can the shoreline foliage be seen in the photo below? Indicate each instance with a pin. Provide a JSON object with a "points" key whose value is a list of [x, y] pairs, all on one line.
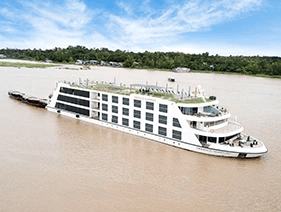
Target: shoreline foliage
{"points": [[249, 65]]}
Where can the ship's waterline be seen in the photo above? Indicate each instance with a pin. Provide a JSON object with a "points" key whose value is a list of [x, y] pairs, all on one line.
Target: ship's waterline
{"points": [[51, 162]]}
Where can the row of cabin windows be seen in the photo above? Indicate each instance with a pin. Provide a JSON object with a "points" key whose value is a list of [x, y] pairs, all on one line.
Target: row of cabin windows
{"points": [[137, 114], [75, 92], [72, 100], [214, 139], [137, 103], [148, 127], [114, 119], [73, 109]]}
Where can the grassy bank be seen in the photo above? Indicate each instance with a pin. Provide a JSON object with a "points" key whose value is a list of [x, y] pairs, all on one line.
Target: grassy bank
{"points": [[26, 65], [235, 73]]}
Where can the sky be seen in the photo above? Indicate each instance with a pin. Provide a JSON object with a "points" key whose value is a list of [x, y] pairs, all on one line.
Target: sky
{"points": [[223, 27]]}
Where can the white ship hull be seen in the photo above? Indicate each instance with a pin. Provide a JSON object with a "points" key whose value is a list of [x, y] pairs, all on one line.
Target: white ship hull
{"points": [[172, 142]]}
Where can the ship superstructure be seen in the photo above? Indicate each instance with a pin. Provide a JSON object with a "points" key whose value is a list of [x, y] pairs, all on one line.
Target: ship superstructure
{"points": [[186, 120]]}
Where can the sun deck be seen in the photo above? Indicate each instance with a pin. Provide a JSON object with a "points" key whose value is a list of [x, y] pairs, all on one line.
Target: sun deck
{"points": [[148, 90]]}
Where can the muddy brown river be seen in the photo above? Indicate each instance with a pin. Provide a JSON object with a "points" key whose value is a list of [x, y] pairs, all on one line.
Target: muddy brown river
{"points": [[49, 162]]}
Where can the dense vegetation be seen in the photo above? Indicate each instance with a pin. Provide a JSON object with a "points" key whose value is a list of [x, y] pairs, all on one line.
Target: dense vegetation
{"points": [[270, 66]]}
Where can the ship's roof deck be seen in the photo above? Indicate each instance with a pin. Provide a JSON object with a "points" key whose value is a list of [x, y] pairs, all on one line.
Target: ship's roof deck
{"points": [[168, 93]]}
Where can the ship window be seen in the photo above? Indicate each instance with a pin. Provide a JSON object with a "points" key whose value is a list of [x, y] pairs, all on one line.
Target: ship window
{"points": [[66, 90], [162, 119], [114, 109], [75, 92], [104, 107], [229, 137], [125, 111], [176, 123], [163, 108], [189, 111], [125, 101], [137, 103], [221, 139], [72, 100], [149, 116], [149, 127], [202, 138], [137, 124], [162, 131], [104, 97], [212, 139], [82, 93], [137, 114], [176, 134], [115, 99], [104, 116], [208, 124], [114, 119], [149, 105], [73, 109], [125, 122]]}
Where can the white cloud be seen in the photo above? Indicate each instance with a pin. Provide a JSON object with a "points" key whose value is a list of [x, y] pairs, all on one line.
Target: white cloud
{"points": [[178, 19], [50, 25]]}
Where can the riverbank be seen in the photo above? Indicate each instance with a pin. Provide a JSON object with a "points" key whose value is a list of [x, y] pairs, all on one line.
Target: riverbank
{"points": [[35, 64], [25, 65]]}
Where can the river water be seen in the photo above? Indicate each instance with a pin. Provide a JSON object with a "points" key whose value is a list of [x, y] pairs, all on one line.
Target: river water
{"points": [[50, 162]]}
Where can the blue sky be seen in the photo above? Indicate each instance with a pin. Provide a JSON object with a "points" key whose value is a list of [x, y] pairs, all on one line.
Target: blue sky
{"points": [[224, 27]]}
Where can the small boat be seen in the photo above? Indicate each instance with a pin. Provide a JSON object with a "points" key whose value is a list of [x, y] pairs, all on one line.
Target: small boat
{"points": [[171, 79]]}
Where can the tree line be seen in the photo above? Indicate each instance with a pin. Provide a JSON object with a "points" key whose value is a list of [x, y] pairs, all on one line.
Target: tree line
{"points": [[252, 65]]}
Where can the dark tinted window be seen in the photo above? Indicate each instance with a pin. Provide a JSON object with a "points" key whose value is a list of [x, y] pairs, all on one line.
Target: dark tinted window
{"points": [[125, 122], [72, 100], [104, 107], [149, 105], [176, 134], [114, 119], [104, 116], [149, 116], [125, 111], [162, 119], [114, 109], [137, 114], [176, 123], [105, 97], [73, 109], [163, 108], [149, 127], [125, 101], [162, 131], [137, 103], [75, 92], [115, 99], [137, 124]]}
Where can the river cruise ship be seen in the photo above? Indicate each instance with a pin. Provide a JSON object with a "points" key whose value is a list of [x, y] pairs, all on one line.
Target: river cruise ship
{"points": [[186, 120]]}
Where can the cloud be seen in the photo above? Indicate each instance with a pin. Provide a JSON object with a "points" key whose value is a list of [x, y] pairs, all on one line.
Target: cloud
{"points": [[178, 19], [46, 25]]}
